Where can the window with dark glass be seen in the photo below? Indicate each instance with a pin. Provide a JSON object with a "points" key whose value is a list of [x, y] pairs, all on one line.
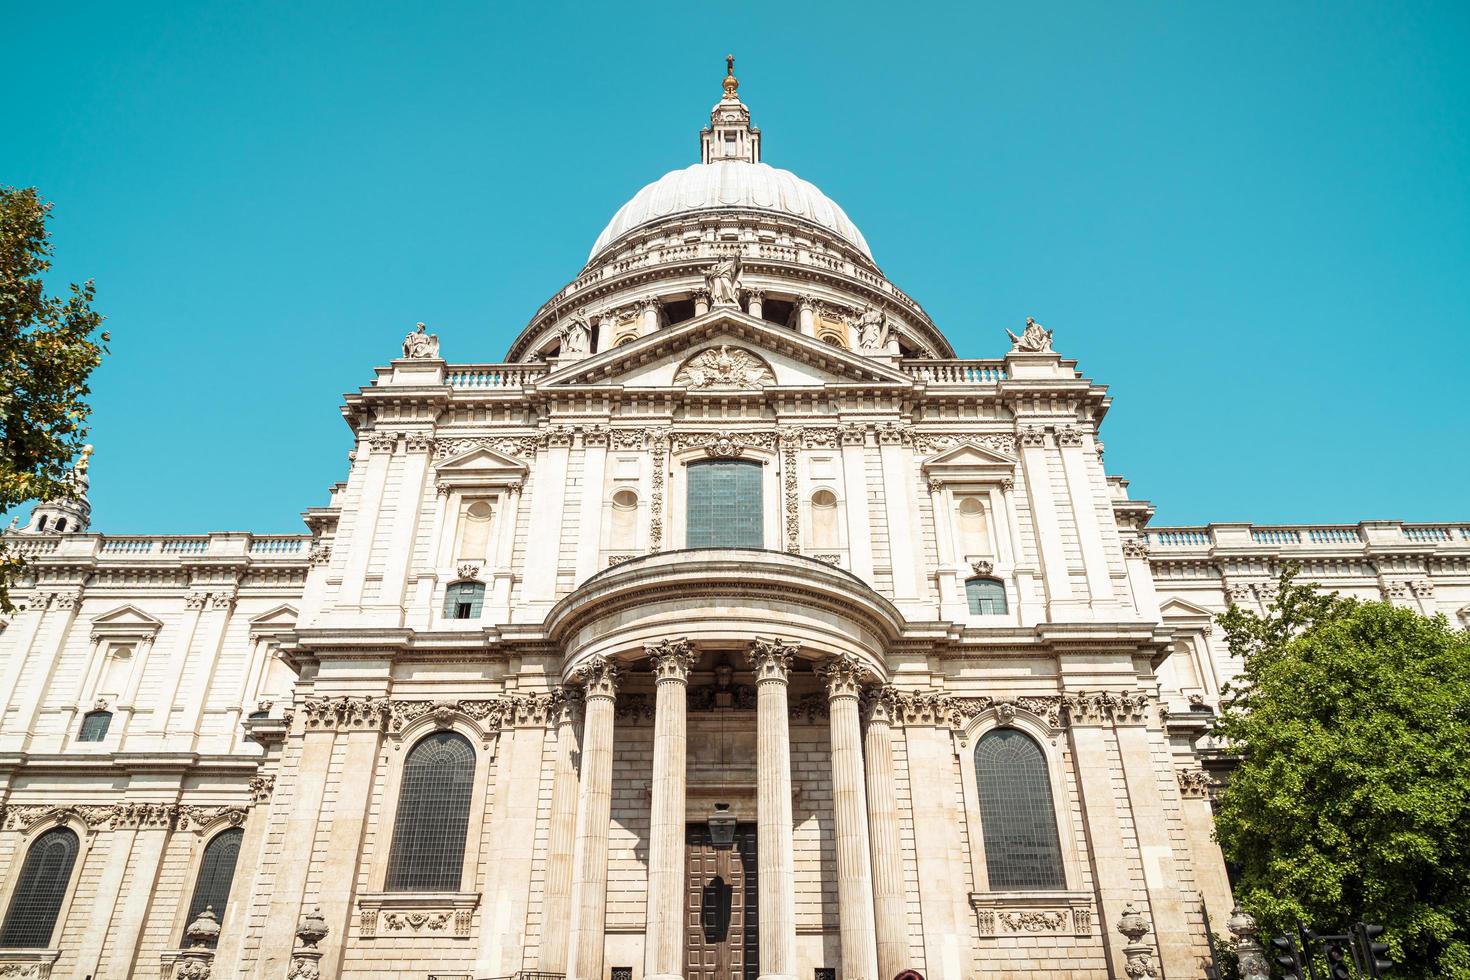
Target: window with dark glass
{"points": [[987, 596], [1022, 850], [216, 875], [724, 504], [427, 853], [44, 878], [94, 726], [463, 600]]}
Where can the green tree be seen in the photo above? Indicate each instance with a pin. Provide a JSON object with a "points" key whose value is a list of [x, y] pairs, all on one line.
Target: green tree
{"points": [[1352, 799], [49, 346]]}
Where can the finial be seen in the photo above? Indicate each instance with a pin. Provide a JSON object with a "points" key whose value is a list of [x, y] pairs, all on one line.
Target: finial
{"points": [[731, 82]]}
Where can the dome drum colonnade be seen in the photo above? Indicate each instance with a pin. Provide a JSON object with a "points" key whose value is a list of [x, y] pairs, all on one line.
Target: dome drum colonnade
{"points": [[617, 614]]}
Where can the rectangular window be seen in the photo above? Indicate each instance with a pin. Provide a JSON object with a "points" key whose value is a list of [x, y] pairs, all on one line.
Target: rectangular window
{"points": [[724, 504]]}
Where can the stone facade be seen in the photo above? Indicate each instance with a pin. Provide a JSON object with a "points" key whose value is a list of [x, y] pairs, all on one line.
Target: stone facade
{"points": [[512, 558]]}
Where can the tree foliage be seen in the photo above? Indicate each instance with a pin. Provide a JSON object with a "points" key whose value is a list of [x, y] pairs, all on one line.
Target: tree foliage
{"points": [[1352, 801], [49, 346]]}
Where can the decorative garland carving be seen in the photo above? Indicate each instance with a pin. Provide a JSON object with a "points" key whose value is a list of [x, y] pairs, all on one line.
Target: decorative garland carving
{"points": [[1032, 437], [725, 443], [523, 447], [1107, 706], [123, 816], [660, 440], [261, 788], [1069, 435], [790, 439], [895, 434], [634, 707], [938, 442]]}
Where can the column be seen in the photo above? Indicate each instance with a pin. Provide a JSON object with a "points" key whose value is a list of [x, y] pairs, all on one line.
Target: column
{"points": [[1075, 468], [755, 302], [806, 316], [599, 678], [890, 908], [943, 903], [771, 660], [1032, 440], [561, 835], [850, 815], [379, 447], [664, 950]]}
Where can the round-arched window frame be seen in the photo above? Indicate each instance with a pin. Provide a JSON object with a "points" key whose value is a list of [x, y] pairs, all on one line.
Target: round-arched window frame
{"points": [[44, 879], [429, 832], [1023, 851]]}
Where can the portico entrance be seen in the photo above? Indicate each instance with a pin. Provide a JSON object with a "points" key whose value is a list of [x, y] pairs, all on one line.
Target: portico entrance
{"points": [[720, 931]]}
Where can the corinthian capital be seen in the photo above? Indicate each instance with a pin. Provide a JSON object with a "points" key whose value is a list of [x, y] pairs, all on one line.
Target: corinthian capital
{"points": [[672, 660], [771, 659], [843, 675], [599, 677]]}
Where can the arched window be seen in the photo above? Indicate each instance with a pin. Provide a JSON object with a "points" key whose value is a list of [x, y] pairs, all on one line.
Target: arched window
{"points": [[624, 531], [44, 878], [41, 524], [973, 527], [60, 524], [987, 596], [216, 875], [824, 519], [94, 726], [433, 815], [1022, 851], [462, 600], [725, 504], [474, 530]]}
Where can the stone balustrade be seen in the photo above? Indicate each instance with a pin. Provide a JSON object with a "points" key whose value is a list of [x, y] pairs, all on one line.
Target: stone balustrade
{"points": [[491, 376], [955, 372], [1306, 538], [285, 548]]}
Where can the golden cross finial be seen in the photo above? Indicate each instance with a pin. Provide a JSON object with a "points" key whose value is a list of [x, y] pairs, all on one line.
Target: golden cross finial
{"points": [[731, 82]]}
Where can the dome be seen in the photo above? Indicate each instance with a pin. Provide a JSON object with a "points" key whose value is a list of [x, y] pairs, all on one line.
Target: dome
{"points": [[734, 184]]}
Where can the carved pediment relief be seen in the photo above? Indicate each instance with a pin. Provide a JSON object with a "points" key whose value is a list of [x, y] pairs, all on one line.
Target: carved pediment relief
{"points": [[479, 466], [724, 367], [726, 350]]}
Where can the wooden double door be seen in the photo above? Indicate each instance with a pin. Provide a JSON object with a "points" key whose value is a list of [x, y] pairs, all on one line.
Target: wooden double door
{"points": [[720, 928]]}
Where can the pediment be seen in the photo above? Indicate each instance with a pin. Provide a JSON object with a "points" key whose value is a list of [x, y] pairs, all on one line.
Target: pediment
{"points": [[725, 351], [282, 617], [970, 461], [125, 621], [1180, 609], [479, 466]]}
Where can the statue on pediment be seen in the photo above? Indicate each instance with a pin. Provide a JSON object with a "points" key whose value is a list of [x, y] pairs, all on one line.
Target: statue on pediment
{"points": [[419, 344], [1035, 339], [872, 329], [724, 367], [723, 282]]}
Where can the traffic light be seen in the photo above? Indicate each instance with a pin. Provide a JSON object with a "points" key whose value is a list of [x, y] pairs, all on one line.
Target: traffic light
{"points": [[1373, 955], [1288, 957], [1337, 961]]}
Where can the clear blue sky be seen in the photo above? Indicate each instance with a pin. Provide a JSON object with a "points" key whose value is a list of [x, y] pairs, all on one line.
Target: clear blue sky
{"points": [[1251, 220]]}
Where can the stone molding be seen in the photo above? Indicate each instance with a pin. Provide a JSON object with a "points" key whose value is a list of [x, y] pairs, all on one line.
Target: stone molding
{"points": [[392, 915], [1003, 915], [27, 964], [121, 816], [393, 716]]}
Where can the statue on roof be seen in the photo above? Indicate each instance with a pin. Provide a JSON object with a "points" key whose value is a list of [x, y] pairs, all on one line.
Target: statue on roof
{"points": [[872, 328], [576, 334], [419, 344], [1035, 339], [723, 282]]}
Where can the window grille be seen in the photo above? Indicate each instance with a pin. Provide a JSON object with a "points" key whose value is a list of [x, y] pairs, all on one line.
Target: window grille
{"points": [[44, 878], [433, 815], [94, 726], [216, 875], [724, 504], [1022, 850], [987, 596], [463, 600]]}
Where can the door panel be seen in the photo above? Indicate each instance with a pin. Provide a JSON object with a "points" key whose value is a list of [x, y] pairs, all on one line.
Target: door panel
{"points": [[720, 928]]}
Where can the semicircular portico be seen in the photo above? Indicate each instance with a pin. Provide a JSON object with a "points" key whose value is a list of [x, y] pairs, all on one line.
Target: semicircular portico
{"points": [[725, 598]]}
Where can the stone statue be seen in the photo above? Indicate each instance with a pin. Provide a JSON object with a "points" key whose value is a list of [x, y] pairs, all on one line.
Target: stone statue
{"points": [[872, 329], [723, 282], [1035, 339], [85, 460], [420, 344], [576, 334]]}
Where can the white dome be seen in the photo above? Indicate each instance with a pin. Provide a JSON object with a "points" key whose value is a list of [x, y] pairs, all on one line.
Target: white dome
{"points": [[730, 184]]}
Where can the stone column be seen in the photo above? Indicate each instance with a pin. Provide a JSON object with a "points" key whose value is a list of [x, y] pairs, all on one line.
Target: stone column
{"points": [[562, 835], [664, 950], [599, 678], [755, 302], [889, 904], [850, 812], [771, 660]]}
